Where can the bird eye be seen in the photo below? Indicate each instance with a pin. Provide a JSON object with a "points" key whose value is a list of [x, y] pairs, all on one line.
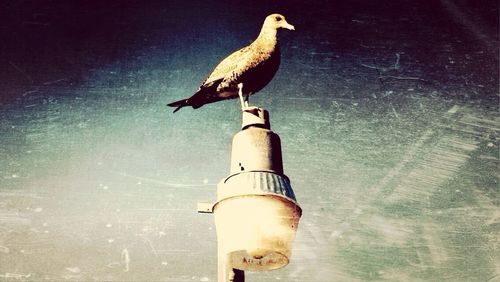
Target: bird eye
{"points": [[278, 18]]}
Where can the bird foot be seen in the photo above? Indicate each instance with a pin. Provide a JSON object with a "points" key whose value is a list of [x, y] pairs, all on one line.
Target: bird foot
{"points": [[250, 109]]}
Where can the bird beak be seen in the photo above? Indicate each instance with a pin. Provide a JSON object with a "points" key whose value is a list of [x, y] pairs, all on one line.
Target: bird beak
{"points": [[288, 26]]}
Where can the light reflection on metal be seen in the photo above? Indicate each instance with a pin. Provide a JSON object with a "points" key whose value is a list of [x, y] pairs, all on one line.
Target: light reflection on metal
{"points": [[256, 213]]}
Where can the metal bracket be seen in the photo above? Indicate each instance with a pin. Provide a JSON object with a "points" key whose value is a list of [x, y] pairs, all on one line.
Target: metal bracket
{"points": [[205, 208]]}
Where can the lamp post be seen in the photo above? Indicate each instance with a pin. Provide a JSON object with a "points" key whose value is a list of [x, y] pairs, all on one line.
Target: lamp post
{"points": [[256, 213]]}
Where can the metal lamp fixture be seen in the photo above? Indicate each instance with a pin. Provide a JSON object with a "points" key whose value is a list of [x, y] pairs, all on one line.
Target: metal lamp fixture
{"points": [[256, 213]]}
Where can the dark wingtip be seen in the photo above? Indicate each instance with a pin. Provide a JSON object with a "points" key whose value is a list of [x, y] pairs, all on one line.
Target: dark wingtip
{"points": [[179, 104]]}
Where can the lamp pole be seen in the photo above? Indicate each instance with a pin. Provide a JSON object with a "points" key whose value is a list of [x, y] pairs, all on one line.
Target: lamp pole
{"points": [[226, 273]]}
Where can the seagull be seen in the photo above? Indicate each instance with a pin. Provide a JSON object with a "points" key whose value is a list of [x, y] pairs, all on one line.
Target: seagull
{"points": [[244, 72]]}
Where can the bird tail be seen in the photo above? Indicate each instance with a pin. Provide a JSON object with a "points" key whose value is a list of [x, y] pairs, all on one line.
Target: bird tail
{"points": [[179, 104], [202, 96]]}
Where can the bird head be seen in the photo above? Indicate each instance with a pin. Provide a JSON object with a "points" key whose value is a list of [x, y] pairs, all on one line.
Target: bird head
{"points": [[277, 21]]}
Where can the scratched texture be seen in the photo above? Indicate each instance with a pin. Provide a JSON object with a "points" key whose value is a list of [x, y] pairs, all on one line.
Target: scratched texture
{"points": [[387, 112]]}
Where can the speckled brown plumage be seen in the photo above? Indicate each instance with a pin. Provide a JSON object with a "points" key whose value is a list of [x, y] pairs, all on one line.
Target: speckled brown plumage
{"points": [[254, 66]]}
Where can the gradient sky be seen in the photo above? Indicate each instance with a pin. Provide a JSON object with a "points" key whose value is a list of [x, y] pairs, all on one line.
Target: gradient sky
{"points": [[387, 113]]}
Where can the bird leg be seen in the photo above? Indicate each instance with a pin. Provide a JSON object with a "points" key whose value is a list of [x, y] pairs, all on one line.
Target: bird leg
{"points": [[243, 101], [246, 100]]}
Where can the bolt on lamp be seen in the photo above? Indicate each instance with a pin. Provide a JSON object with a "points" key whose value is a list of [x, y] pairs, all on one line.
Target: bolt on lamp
{"points": [[256, 213]]}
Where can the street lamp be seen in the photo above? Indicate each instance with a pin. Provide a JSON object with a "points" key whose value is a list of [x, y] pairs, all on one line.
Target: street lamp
{"points": [[256, 213]]}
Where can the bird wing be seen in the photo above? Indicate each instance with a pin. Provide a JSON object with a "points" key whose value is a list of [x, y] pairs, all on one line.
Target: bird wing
{"points": [[228, 66], [228, 73]]}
